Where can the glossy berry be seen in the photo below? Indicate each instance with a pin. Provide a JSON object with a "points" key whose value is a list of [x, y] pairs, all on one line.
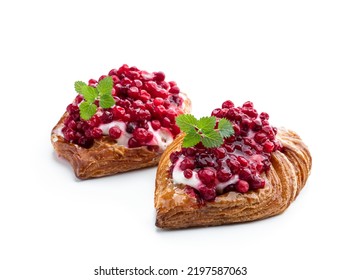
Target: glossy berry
{"points": [[242, 186], [207, 175], [96, 133], [228, 104], [188, 173], [220, 152], [118, 112], [156, 124], [140, 135], [223, 175], [115, 132], [187, 163], [159, 76], [208, 194], [133, 143]]}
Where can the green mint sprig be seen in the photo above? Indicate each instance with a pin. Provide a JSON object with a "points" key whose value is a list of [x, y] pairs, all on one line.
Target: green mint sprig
{"points": [[203, 130], [102, 93]]}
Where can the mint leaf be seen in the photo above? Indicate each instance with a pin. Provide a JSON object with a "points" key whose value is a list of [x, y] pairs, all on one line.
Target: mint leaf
{"points": [[206, 124], [186, 122], [87, 110], [79, 86], [105, 86], [106, 101], [191, 139], [204, 130], [89, 93], [212, 139], [225, 128]]}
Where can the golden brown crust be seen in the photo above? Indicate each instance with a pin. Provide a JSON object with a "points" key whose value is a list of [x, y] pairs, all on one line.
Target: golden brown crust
{"points": [[105, 157], [285, 179]]}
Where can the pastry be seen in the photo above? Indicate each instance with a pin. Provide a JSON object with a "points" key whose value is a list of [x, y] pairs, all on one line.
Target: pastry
{"points": [[255, 171], [121, 122]]}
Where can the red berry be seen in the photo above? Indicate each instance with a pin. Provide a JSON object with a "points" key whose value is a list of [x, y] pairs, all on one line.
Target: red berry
{"points": [[118, 112], [107, 117], [115, 132], [207, 175], [174, 90], [242, 186], [264, 116], [220, 152], [131, 127], [133, 143], [85, 142], [174, 157], [243, 162], [257, 182], [248, 104], [260, 137], [223, 175], [158, 101], [138, 83], [156, 124], [228, 104], [133, 92], [159, 76], [268, 146], [92, 82], [144, 96], [94, 121], [96, 133], [79, 98], [71, 108], [187, 163], [188, 173], [144, 115], [102, 77], [140, 135], [208, 194], [172, 83], [166, 122], [69, 134], [112, 72]]}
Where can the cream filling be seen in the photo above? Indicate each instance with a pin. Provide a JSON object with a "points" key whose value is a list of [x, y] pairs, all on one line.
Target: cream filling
{"points": [[161, 137], [179, 177], [194, 182]]}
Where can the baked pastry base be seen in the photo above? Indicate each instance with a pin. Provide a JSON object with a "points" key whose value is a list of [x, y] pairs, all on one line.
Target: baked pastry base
{"points": [[284, 181]]}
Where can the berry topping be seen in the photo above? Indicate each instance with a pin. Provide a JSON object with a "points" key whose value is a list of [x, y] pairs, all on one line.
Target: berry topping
{"points": [[115, 132], [133, 107], [233, 162]]}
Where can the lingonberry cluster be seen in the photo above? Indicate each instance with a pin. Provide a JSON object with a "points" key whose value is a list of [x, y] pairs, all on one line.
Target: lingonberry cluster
{"points": [[142, 99], [238, 163]]}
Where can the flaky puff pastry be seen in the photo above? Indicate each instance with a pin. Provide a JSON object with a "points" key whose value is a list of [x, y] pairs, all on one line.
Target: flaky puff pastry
{"points": [[105, 157], [287, 176]]}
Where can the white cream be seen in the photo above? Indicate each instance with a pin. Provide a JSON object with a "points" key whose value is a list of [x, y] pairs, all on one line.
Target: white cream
{"points": [[162, 137], [57, 132], [184, 97], [125, 136], [179, 178], [194, 181], [221, 186]]}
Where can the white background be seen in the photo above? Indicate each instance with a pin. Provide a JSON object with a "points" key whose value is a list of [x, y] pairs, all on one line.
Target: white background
{"points": [[285, 56]]}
